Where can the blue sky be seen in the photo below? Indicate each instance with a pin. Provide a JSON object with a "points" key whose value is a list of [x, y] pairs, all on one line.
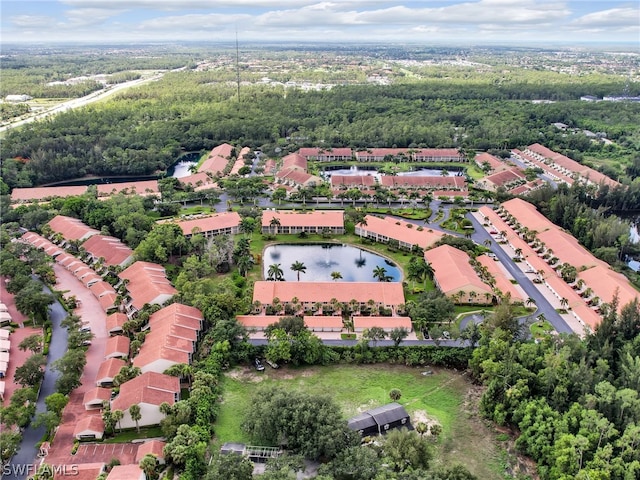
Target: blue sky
{"points": [[529, 22]]}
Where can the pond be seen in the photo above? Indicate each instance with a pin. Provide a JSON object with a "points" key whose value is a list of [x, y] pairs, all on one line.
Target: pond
{"points": [[372, 171], [321, 259]]}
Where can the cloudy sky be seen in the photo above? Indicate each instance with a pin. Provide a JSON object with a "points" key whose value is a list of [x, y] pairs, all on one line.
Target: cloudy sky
{"points": [[531, 22]]}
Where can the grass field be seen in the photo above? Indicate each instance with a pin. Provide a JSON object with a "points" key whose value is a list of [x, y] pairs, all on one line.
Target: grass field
{"points": [[441, 397]]}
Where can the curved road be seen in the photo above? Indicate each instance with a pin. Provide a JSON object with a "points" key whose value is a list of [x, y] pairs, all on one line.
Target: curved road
{"points": [[17, 469]]}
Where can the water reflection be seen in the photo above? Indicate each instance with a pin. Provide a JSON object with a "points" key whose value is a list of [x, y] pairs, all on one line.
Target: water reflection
{"points": [[321, 260]]}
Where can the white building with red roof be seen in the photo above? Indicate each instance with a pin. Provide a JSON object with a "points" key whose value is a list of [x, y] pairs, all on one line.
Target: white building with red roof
{"points": [[406, 234], [424, 182], [110, 249], [71, 229], [455, 277], [89, 427], [292, 222], [115, 322], [174, 331], [117, 347], [494, 164], [217, 160], [147, 283], [223, 223], [95, 398], [383, 294], [144, 188], [108, 370], [148, 390], [438, 155], [327, 154], [362, 323]]}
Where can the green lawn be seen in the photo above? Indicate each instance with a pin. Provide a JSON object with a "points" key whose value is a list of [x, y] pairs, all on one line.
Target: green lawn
{"points": [[356, 388], [131, 434]]}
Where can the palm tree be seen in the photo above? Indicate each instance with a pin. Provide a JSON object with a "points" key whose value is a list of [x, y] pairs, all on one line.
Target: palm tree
{"points": [[275, 273], [275, 223], [136, 415], [529, 301], [518, 252], [298, 267], [564, 303], [380, 273], [335, 276], [117, 415]]}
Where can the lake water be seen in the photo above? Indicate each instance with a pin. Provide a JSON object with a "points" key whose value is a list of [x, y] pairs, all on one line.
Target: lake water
{"points": [[353, 263], [181, 169], [372, 171]]}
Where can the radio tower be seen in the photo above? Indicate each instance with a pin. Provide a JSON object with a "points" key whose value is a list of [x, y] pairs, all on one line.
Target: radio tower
{"points": [[237, 64]]}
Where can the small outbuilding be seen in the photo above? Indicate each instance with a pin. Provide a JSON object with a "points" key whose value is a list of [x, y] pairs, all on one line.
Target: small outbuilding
{"points": [[233, 448], [380, 420]]}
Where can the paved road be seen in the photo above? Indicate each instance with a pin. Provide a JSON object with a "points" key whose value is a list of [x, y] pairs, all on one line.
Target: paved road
{"points": [[81, 102], [28, 452], [479, 236]]}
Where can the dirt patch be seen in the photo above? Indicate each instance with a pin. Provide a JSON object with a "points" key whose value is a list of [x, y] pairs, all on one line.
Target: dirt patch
{"points": [[246, 374]]}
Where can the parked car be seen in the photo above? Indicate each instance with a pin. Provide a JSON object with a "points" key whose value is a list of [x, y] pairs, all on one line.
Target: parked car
{"points": [[273, 365], [493, 232], [258, 364], [85, 328]]}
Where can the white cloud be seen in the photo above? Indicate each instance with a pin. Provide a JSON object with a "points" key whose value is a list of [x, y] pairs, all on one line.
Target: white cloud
{"points": [[187, 4], [89, 16], [614, 17], [31, 21], [190, 22]]}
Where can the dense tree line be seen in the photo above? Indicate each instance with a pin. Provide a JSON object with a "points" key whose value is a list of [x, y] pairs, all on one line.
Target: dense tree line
{"points": [[144, 129], [574, 403]]}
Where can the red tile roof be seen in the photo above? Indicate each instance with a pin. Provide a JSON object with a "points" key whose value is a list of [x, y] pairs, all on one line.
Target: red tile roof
{"points": [[89, 423], [198, 180], [82, 471], [111, 249], [316, 152], [353, 180], [117, 346], [151, 447], [43, 193], [217, 160], [606, 283], [387, 293], [173, 333], [148, 283], [294, 160], [150, 387], [71, 228], [423, 181], [96, 395], [319, 218], [506, 176], [453, 272], [101, 288], [126, 472], [108, 301], [211, 223], [115, 322], [109, 369], [143, 188], [494, 162], [503, 283], [399, 230], [319, 322], [387, 323]]}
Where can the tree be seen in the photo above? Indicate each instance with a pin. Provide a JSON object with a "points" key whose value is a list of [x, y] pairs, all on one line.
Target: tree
{"points": [[398, 334], [136, 415], [56, 402], [32, 342], [32, 301], [275, 224], [230, 467], [275, 273], [278, 195], [405, 450], [374, 334], [309, 424], [117, 416], [9, 443], [395, 394], [380, 273], [31, 372], [298, 267], [360, 462], [149, 464], [335, 276]]}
